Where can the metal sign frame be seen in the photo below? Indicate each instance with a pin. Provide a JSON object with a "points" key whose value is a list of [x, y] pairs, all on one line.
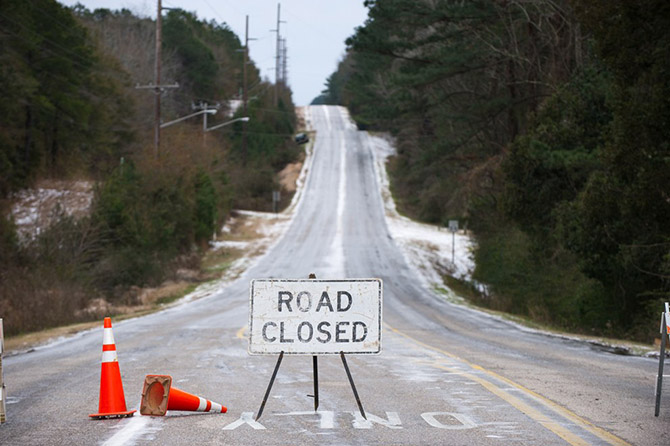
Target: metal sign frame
{"points": [[312, 278]]}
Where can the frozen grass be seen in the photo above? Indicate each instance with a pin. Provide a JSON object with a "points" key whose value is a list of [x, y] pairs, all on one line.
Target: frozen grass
{"points": [[33, 210], [432, 251]]}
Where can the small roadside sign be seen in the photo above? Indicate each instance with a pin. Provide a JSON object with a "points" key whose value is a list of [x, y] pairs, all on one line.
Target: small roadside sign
{"points": [[276, 198], [315, 317], [453, 225]]}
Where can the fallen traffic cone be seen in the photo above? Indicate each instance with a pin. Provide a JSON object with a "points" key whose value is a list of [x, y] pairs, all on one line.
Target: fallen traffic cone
{"points": [[112, 402], [159, 396]]}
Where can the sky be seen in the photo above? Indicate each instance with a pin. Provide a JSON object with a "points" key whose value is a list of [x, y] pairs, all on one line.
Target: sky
{"points": [[315, 31]]}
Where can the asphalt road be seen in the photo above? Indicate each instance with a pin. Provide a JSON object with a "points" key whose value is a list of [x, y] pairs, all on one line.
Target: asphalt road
{"points": [[446, 374]]}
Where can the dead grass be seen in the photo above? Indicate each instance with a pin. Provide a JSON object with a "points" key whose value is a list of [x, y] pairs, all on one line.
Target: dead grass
{"points": [[289, 175], [216, 264], [223, 263], [27, 342]]}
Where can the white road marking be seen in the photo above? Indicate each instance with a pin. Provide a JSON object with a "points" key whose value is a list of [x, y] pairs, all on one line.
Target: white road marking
{"points": [[132, 431], [337, 247], [325, 111], [245, 418], [393, 421], [326, 417], [464, 420]]}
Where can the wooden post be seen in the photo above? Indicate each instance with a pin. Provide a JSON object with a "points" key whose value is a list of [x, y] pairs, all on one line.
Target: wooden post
{"points": [[157, 81]]}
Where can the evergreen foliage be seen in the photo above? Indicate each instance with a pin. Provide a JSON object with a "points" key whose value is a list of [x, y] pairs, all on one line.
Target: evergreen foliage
{"points": [[61, 102], [70, 110], [541, 124], [455, 82]]}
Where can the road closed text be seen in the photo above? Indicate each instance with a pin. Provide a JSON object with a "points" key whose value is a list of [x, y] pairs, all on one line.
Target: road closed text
{"points": [[315, 316]]}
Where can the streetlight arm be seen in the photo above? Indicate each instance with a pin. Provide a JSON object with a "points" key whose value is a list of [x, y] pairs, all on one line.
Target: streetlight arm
{"points": [[184, 118], [243, 119]]}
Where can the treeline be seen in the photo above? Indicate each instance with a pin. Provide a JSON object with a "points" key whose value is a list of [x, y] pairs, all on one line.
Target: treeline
{"points": [[540, 124], [70, 110]]}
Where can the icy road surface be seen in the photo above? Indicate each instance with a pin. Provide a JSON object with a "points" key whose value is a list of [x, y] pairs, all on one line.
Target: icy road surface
{"points": [[446, 374]]}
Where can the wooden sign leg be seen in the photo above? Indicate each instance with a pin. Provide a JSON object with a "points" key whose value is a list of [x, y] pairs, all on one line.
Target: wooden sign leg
{"points": [[272, 380], [353, 386]]}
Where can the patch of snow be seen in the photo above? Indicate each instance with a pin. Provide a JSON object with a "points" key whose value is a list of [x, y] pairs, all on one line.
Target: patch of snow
{"points": [[430, 250], [234, 105], [257, 214], [34, 210], [228, 244], [348, 121]]}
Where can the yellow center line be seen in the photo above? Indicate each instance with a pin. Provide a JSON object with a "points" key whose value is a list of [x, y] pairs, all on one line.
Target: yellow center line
{"points": [[520, 405], [240, 332]]}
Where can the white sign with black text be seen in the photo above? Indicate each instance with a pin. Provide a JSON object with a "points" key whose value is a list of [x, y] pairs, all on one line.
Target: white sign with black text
{"points": [[312, 316]]}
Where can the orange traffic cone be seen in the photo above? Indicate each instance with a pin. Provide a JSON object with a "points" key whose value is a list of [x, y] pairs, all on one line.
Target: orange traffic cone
{"points": [[159, 396], [112, 402]]}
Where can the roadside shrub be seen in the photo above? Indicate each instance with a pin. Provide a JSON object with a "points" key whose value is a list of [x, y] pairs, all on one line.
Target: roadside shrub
{"points": [[206, 207], [45, 282], [528, 281]]}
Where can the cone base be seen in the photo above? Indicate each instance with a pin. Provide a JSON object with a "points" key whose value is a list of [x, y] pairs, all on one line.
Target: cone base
{"points": [[100, 416]]}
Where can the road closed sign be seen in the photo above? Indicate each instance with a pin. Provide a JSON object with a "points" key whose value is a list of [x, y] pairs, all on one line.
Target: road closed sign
{"points": [[312, 317]]}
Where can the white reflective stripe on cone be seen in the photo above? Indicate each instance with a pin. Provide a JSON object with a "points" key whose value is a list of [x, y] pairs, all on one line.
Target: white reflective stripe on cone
{"points": [[216, 408], [109, 356], [203, 404], [107, 336]]}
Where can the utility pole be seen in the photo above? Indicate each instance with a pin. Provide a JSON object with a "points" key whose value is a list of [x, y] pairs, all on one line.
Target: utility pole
{"points": [[245, 97], [157, 79], [278, 55], [157, 87], [204, 125]]}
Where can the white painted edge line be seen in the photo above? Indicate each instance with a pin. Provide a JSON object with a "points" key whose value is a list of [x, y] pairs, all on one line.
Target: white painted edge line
{"points": [[130, 432]]}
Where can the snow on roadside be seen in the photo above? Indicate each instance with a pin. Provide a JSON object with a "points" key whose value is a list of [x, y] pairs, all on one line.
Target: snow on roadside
{"points": [[427, 249], [34, 210], [430, 250], [235, 244], [270, 226]]}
